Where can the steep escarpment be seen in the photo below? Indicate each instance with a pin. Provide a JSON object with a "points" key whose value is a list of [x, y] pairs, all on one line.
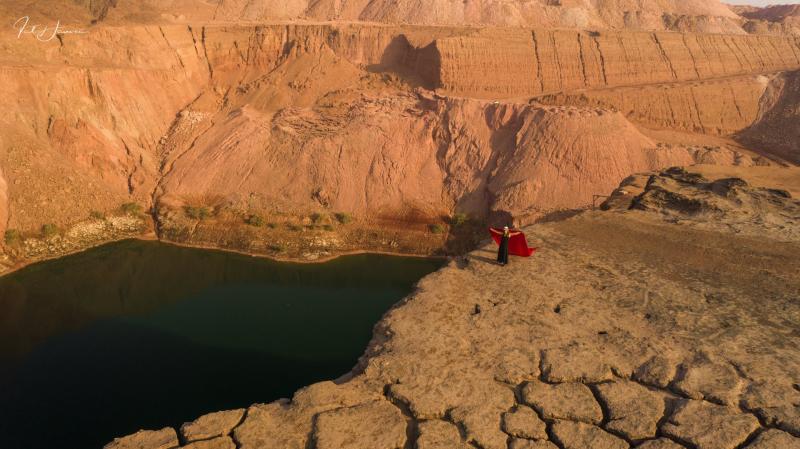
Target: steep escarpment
{"points": [[368, 156], [546, 61], [681, 106], [285, 122], [778, 123], [77, 138]]}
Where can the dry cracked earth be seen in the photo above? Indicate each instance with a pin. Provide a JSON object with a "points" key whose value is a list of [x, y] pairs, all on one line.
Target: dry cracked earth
{"points": [[671, 320]]}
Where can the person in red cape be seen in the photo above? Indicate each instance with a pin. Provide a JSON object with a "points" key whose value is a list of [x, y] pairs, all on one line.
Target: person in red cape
{"points": [[511, 242]]}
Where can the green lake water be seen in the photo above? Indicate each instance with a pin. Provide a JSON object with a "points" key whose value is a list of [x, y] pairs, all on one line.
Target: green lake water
{"points": [[138, 334]]}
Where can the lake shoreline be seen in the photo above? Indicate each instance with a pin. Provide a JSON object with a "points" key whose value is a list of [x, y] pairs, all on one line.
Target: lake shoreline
{"points": [[153, 237]]}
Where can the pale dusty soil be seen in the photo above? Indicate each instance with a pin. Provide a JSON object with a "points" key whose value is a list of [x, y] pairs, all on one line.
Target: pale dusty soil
{"points": [[624, 329]]}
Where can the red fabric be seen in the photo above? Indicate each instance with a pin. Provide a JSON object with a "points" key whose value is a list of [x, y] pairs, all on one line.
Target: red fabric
{"points": [[517, 244]]}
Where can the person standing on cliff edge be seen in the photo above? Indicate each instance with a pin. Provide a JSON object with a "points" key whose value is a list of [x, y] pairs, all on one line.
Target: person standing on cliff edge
{"points": [[510, 241]]}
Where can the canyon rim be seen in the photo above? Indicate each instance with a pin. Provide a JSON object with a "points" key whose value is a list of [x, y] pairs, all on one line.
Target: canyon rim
{"points": [[666, 317]]}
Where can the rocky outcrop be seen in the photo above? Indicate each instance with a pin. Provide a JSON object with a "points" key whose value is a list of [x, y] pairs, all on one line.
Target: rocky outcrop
{"points": [[619, 333], [147, 439], [729, 203]]}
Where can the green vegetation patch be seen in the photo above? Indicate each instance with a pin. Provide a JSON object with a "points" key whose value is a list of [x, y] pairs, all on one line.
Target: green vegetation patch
{"points": [[132, 209], [12, 237], [317, 217], [198, 212], [459, 220], [256, 220], [49, 230], [437, 229], [97, 215], [343, 217]]}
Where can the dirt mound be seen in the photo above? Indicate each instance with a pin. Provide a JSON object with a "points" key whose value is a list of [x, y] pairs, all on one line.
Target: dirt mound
{"points": [[681, 196]]}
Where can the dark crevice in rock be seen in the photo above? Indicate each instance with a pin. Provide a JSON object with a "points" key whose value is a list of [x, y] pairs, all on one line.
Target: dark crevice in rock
{"points": [[462, 430], [542, 371], [518, 394], [750, 438], [607, 413], [670, 405], [182, 441], [603, 405], [756, 413], [740, 371], [551, 435], [677, 440], [232, 433], [412, 426], [311, 443]]}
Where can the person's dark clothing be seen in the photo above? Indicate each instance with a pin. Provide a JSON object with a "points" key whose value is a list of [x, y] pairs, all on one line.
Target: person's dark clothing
{"points": [[502, 253]]}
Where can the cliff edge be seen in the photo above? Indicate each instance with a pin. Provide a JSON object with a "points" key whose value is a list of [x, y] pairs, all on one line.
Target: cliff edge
{"points": [[666, 321]]}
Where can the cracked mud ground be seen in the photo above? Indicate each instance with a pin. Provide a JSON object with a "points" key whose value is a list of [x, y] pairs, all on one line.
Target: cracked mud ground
{"points": [[629, 328]]}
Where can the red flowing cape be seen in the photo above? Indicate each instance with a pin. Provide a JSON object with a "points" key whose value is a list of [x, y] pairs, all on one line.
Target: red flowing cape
{"points": [[517, 244]]}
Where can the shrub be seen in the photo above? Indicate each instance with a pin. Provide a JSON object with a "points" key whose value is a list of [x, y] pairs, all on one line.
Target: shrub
{"points": [[12, 237], [272, 225], [459, 219], [437, 229], [275, 248], [132, 208], [343, 218], [255, 220], [317, 217], [97, 215], [49, 230], [328, 227], [294, 227], [197, 212]]}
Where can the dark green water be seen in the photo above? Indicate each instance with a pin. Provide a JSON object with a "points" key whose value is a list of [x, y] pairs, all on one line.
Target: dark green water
{"points": [[142, 335]]}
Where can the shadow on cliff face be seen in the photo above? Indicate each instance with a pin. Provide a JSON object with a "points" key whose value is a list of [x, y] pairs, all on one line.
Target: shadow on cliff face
{"points": [[776, 133], [418, 67]]}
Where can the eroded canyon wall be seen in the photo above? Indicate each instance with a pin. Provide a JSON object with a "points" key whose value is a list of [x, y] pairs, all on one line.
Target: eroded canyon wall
{"points": [[83, 120], [511, 63], [777, 126], [295, 114], [681, 106]]}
